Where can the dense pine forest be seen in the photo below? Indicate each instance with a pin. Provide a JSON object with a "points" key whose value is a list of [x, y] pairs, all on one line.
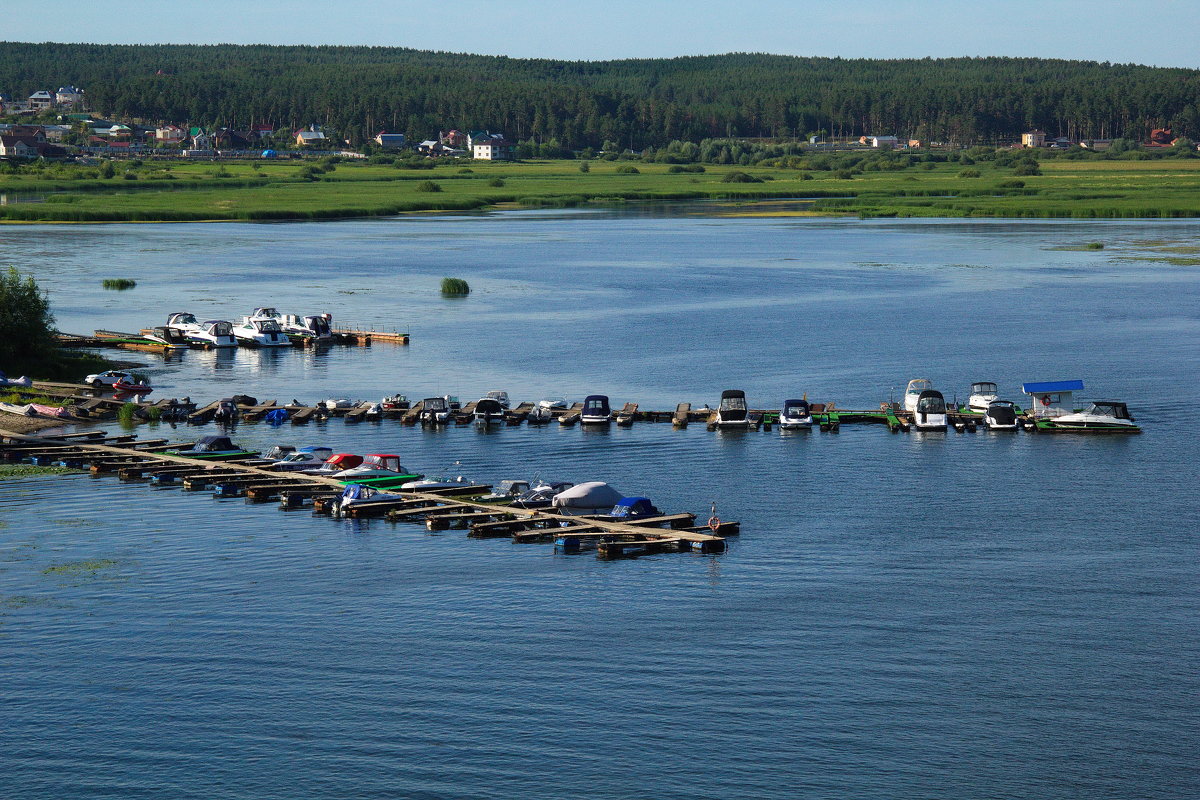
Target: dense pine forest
{"points": [[358, 91]]}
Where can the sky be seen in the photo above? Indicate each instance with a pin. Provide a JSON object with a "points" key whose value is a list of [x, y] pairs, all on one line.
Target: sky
{"points": [[1159, 33]]}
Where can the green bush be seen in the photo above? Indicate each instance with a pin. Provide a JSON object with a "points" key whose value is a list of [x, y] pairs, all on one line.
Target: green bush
{"points": [[628, 169], [1094, 246], [428, 186], [455, 286], [674, 169], [496, 182], [585, 166], [1011, 184], [969, 173], [737, 176], [119, 284], [1027, 168]]}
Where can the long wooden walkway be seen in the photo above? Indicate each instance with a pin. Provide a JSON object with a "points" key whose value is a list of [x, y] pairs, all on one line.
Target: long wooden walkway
{"points": [[133, 460]]}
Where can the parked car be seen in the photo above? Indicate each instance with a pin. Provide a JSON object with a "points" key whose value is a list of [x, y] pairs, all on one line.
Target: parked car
{"points": [[109, 378]]}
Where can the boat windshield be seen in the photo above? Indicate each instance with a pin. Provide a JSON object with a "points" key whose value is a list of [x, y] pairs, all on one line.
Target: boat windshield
{"points": [[1115, 410], [267, 326], [733, 404], [931, 404], [299, 457], [983, 388], [796, 411]]}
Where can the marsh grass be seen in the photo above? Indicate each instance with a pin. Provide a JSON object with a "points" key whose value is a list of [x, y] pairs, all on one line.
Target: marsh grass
{"points": [[455, 287], [119, 284]]}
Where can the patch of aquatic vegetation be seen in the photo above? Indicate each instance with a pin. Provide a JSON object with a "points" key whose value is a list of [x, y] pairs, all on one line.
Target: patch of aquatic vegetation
{"points": [[27, 470], [1078, 247], [73, 522], [91, 566], [23, 601]]}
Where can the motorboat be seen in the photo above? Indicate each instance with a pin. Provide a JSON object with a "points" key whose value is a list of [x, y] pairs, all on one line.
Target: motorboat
{"points": [[434, 411], [338, 462], [540, 415], [337, 404], [374, 411], [554, 403], [1001, 415], [170, 337], [500, 397], [596, 410], [1100, 416], [795, 415], [214, 448], [429, 483], [929, 413], [305, 458], [395, 402], [452, 402], [506, 492], [313, 327], [215, 333], [260, 333], [593, 497], [488, 411], [732, 412], [357, 496], [377, 466], [276, 453], [983, 394], [542, 495], [227, 411], [913, 392], [629, 508], [130, 386]]}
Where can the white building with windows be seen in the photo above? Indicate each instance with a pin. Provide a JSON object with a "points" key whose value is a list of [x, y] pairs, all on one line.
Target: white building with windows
{"points": [[493, 149]]}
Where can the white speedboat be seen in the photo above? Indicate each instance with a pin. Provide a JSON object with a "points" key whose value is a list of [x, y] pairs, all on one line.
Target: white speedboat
{"points": [[215, 333], [375, 465], [540, 415], [500, 397], [795, 415], [506, 492], [596, 410], [983, 394], [915, 387], [541, 495], [426, 484], [929, 413], [304, 458], [337, 404], [310, 326], [357, 496], [169, 336], [260, 333], [488, 411], [435, 411], [732, 412], [1000, 415], [1101, 416]]}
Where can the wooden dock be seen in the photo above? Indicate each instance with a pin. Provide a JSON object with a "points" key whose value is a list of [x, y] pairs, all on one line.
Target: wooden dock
{"points": [[137, 461]]}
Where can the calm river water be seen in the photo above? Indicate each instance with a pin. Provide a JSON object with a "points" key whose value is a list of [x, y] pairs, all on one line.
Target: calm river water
{"points": [[908, 616]]}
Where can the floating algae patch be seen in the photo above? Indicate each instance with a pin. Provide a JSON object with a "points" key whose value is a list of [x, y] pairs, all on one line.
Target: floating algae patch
{"points": [[91, 566], [73, 522], [28, 470]]}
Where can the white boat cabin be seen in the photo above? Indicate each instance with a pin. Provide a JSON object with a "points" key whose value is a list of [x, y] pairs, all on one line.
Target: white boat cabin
{"points": [[1052, 398]]}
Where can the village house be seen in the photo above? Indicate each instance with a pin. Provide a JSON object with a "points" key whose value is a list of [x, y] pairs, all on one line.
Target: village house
{"points": [[169, 134], [883, 142], [229, 139], [453, 138], [308, 138], [28, 147], [41, 100], [1034, 138], [390, 141], [68, 96], [262, 131], [493, 148]]}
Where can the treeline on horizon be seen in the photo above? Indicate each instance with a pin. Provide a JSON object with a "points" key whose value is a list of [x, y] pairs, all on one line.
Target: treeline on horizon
{"points": [[359, 91]]}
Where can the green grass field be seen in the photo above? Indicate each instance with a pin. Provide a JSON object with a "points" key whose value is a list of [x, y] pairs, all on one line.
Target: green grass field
{"points": [[268, 190]]}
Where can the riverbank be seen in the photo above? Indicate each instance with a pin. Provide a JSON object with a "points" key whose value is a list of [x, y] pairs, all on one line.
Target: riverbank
{"points": [[266, 191]]}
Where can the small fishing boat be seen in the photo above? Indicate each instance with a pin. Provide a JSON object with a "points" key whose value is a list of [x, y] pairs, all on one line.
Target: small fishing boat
{"points": [[540, 415], [624, 420], [795, 415], [374, 411], [1000, 415], [983, 394], [395, 402], [1100, 416], [227, 411], [500, 397], [593, 497], [254, 332], [506, 492], [488, 411], [732, 412], [541, 495], [913, 392], [214, 448], [337, 404], [124, 386], [929, 413], [434, 411], [553, 403], [356, 496], [596, 410], [629, 508], [310, 457]]}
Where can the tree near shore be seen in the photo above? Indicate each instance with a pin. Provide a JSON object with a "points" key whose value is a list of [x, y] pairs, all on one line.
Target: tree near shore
{"points": [[26, 324]]}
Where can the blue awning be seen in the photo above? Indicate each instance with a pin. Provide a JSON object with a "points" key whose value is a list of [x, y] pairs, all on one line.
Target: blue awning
{"points": [[1046, 387]]}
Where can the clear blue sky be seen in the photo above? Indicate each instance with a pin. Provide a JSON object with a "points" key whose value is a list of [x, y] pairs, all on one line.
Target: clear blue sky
{"points": [[1159, 33]]}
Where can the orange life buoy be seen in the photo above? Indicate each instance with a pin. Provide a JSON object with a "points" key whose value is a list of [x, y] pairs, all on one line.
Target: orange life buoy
{"points": [[714, 523], [1045, 399]]}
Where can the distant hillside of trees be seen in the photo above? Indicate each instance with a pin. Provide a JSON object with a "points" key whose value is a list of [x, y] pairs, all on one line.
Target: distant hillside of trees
{"points": [[358, 91]]}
